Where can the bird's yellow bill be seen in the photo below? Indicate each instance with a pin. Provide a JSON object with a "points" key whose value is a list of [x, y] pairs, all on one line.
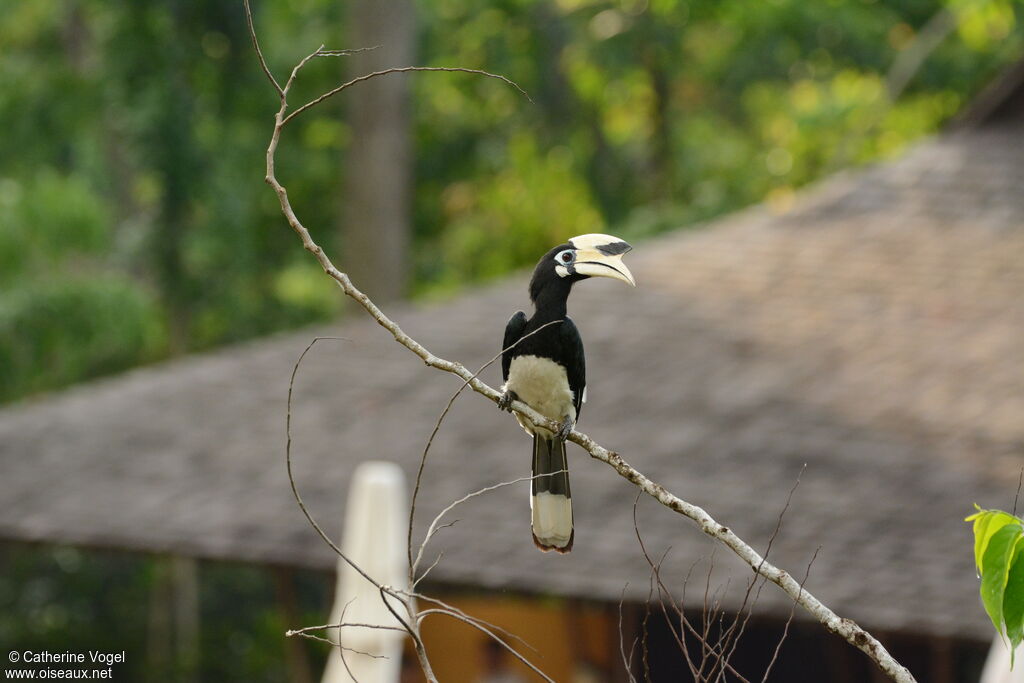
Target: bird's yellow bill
{"points": [[600, 255]]}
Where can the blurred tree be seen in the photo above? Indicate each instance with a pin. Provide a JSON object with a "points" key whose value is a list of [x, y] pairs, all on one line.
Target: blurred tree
{"points": [[48, 600], [649, 115], [378, 162], [156, 68]]}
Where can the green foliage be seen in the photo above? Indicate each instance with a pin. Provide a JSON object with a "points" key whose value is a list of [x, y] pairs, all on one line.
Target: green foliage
{"points": [[999, 556], [243, 623], [511, 216], [135, 134], [49, 600], [61, 318], [48, 218], [74, 328]]}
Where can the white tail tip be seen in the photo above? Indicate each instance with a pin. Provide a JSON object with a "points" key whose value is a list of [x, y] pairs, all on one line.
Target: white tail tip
{"points": [[552, 521]]}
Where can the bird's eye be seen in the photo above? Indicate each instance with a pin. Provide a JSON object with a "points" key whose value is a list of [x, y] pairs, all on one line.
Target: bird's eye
{"points": [[566, 256]]}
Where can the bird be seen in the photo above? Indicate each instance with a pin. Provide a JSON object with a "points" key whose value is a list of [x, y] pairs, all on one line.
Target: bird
{"points": [[543, 365]]}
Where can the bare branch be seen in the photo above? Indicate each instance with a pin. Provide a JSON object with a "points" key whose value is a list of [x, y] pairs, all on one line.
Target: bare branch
{"points": [[427, 571], [487, 489], [455, 610], [397, 70], [291, 477], [259, 52], [627, 662], [475, 623], [347, 52], [386, 591], [792, 611], [344, 624], [785, 508], [644, 660], [344, 663], [1016, 496], [340, 647], [844, 627], [383, 590], [757, 579], [714, 654], [707, 615], [685, 624], [280, 120]]}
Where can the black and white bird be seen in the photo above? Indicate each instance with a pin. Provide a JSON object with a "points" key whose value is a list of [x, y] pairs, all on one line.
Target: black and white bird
{"points": [[546, 370]]}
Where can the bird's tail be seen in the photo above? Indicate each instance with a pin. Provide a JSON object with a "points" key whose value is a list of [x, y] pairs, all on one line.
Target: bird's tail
{"points": [[551, 502]]}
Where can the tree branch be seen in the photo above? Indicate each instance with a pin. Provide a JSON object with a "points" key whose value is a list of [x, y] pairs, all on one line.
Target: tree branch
{"points": [[846, 628], [259, 52], [396, 70]]}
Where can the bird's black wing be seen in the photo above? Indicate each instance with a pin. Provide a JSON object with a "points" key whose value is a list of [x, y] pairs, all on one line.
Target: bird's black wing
{"points": [[575, 362], [513, 333]]}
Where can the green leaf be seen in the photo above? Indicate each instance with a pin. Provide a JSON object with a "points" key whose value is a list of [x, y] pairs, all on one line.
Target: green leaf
{"points": [[1013, 599], [986, 524], [995, 570]]}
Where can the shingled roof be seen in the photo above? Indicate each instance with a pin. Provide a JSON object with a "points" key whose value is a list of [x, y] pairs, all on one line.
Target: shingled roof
{"points": [[873, 331]]}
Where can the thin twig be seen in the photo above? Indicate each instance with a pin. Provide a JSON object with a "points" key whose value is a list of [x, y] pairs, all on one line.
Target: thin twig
{"points": [[341, 650], [346, 624], [493, 636], [259, 52], [1016, 496], [346, 52], [487, 489], [706, 648], [644, 653], [383, 590], [685, 624], [340, 647], [792, 611], [427, 571], [399, 70], [344, 663], [706, 615], [756, 578], [463, 615], [627, 662], [291, 477]]}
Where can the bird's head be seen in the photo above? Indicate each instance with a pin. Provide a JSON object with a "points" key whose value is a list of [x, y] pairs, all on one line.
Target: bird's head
{"points": [[592, 255]]}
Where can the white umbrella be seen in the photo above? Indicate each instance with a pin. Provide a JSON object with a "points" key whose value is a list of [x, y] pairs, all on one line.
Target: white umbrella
{"points": [[376, 523], [997, 665]]}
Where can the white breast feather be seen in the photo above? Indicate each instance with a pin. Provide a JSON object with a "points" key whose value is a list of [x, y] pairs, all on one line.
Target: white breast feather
{"points": [[543, 385]]}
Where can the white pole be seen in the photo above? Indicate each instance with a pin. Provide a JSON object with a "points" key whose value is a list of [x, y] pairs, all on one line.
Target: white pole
{"points": [[375, 527], [997, 665]]}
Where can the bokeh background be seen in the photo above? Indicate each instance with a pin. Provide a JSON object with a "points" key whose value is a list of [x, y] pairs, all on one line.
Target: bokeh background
{"points": [[135, 225]]}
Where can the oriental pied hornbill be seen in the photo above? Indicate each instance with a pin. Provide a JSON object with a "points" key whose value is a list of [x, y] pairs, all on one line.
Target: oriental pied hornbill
{"points": [[547, 371]]}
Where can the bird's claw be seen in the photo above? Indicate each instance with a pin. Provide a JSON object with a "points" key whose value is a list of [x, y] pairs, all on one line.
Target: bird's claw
{"points": [[505, 401], [565, 429]]}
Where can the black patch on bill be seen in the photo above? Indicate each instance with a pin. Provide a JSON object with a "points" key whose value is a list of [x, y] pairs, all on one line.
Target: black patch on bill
{"points": [[613, 248]]}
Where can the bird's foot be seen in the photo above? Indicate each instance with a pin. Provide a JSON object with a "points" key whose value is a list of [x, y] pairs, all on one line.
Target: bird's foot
{"points": [[505, 401], [565, 429]]}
